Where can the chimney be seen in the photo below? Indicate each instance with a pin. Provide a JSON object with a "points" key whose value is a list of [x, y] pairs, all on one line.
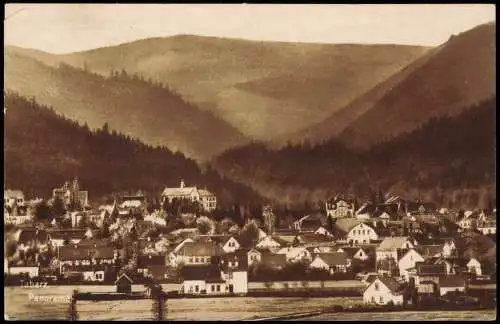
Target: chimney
{"points": [[182, 183]]}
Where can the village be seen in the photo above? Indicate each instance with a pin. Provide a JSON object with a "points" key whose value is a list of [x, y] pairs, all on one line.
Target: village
{"points": [[392, 253]]}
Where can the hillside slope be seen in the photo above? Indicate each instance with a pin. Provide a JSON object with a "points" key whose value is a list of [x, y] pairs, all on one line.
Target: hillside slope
{"points": [[449, 160], [43, 149], [128, 104], [264, 89], [461, 73]]}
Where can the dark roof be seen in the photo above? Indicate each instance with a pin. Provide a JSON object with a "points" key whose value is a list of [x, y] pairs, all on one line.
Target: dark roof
{"points": [[209, 273], [70, 234], [344, 225], [307, 238], [401, 253], [452, 281], [239, 256], [430, 269], [201, 249], [333, 259], [81, 268], [351, 251], [144, 261], [74, 252], [394, 286], [31, 234]]}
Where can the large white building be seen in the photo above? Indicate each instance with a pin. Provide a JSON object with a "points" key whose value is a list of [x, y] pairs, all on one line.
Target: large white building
{"points": [[203, 196]]}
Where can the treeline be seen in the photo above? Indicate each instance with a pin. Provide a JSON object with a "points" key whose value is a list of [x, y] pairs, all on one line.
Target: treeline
{"points": [[449, 160], [44, 149]]}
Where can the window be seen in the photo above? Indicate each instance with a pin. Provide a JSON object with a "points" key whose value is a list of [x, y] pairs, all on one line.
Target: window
{"points": [[197, 260], [377, 287], [373, 299], [213, 288], [191, 260], [196, 288], [218, 287]]}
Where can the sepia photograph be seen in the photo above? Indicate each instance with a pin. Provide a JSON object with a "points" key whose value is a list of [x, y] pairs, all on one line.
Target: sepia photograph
{"points": [[250, 162]]}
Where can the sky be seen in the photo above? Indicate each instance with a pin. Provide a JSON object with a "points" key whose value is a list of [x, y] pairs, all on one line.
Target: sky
{"points": [[65, 28]]}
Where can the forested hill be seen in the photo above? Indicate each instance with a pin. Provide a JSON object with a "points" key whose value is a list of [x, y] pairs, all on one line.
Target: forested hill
{"points": [[43, 149], [450, 160]]}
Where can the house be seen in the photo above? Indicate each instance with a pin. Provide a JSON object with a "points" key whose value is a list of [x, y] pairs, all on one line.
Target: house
{"points": [[452, 283], [31, 271], [355, 253], [449, 248], [355, 231], [331, 262], [389, 246], [71, 194], [474, 266], [266, 259], [198, 253], [75, 255], [13, 198], [383, 291], [296, 254], [339, 207], [202, 279], [207, 200], [124, 284], [234, 270], [32, 238], [323, 231], [428, 273], [487, 226], [92, 273], [408, 261], [270, 243], [59, 236], [230, 244]]}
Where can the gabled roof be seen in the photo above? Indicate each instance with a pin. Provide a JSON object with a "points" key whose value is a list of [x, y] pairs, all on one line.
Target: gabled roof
{"points": [[28, 235], [394, 286], [186, 191], [205, 193], [200, 249], [209, 273], [392, 243], [430, 269], [123, 276], [67, 253], [333, 259], [344, 225]]}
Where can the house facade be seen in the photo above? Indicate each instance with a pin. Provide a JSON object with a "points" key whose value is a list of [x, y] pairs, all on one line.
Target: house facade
{"points": [[332, 262], [388, 248], [474, 266], [383, 291], [339, 207], [408, 261], [206, 199]]}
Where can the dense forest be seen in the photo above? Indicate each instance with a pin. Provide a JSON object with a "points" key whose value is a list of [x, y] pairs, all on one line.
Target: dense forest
{"points": [[449, 160], [43, 150]]}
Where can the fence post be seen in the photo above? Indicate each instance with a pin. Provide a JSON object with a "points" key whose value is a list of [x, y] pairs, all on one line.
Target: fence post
{"points": [[72, 307]]}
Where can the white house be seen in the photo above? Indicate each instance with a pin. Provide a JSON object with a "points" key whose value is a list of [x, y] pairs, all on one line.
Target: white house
{"points": [[202, 279], [295, 254], [488, 226], [207, 200], [474, 266], [231, 245], [332, 262], [384, 290], [234, 272], [355, 231], [31, 271], [408, 261], [254, 256], [323, 231], [388, 248], [268, 243], [339, 208]]}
